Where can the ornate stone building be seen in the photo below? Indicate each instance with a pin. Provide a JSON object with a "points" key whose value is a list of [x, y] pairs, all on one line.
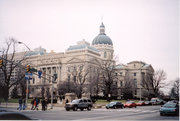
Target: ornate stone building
{"points": [[82, 56]]}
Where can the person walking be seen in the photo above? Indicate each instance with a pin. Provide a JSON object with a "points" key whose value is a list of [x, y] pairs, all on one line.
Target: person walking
{"points": [[46, 104], [24, 103], [36, 102], [20, 104], [32, 103], [43, 103]]}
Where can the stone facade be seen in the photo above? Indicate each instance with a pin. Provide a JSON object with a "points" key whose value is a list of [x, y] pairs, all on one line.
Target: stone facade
{"points": [[82, 56]]}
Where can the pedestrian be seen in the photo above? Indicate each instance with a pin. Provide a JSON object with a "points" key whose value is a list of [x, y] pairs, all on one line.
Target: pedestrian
{"points": [[36, 102], [67, 101], [32, 103], [46, 104], [20, 104], [43, 103], [24, 103]]}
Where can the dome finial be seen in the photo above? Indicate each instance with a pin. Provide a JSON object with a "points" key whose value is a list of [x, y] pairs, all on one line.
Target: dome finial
{"points": [[102, 28]]}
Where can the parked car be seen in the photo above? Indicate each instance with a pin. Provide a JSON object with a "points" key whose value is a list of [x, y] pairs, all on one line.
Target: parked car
{"points": [[130, 104], [79, 104], [169, 108], [162, 102], [155, 101], [14, 116], [173, 101], [140, 103], [148, 103], [114, 105]]}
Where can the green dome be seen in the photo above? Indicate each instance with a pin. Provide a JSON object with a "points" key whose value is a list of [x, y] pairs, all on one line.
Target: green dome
{"points": [[102, 39]]}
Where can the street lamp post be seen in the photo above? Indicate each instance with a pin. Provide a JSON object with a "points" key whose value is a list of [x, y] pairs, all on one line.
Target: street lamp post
{"points": [[140, 93], [52, 95], [27, 86]]}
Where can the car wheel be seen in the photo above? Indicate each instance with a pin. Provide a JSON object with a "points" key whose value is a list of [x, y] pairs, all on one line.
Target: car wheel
{"points": [[161, 114], [75, 108], [107, 108], [82, 109], [135, 106], [67, 109], [122, 107], [89, 108], [114, 107]]}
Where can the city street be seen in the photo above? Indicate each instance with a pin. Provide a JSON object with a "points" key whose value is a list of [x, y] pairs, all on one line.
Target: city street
{"points": [[139, 113]]}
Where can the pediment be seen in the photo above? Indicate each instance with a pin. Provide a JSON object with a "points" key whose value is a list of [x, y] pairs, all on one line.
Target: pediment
{"points": [[74, 60], [94, 60]]}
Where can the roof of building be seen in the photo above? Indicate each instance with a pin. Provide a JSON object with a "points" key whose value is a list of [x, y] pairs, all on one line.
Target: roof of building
{"points": [[102, 38], [120, 66], [82, 46], [36, 51]]}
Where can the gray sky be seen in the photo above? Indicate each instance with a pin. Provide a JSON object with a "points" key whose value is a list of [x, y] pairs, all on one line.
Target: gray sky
{"points": [[143, 30]]}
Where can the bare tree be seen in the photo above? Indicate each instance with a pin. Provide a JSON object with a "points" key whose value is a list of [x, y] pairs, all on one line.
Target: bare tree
{"points": [[80, 77], [9, 65], [95, 84], [66, 87], [174, 93], [108, 77], [128, 88], [154, 81]]}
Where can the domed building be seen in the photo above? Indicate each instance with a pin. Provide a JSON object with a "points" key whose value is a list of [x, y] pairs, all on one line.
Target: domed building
{"points": [[85, 58], [103, 43]]}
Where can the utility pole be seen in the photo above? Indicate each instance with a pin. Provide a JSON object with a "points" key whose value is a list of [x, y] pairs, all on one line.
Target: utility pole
{"points": [[53, 81], [52, 89], [140, 94], [28, 69]]}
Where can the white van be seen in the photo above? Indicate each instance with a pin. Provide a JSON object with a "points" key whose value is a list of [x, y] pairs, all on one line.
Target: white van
{"points": [[155, 101]]}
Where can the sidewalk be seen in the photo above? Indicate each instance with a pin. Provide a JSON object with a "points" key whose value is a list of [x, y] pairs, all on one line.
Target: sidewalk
{"points": [[14, 106]]}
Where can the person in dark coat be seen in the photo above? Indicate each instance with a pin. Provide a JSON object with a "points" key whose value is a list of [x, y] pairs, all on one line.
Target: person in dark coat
{"points": [[32, 103], [43, 103], [24, 103], [20, 104]]}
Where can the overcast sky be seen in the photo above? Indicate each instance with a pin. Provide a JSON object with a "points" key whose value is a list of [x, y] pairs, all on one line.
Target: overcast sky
{"points": [[142, 30]]}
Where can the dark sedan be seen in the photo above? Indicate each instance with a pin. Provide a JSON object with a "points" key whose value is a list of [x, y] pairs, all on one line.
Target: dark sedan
{"points": [[114, 105], [169, 108]]}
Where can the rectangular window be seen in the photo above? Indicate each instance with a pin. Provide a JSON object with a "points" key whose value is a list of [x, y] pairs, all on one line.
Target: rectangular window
{"points": [[134, 74], [69, 77], [121, 83], [74, 78]]}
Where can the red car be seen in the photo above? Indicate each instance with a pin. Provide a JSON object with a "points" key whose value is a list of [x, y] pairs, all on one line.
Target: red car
{"points": [[140, 103], [130, 104]]}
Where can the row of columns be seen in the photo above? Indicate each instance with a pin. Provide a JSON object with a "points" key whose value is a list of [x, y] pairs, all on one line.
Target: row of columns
{"points": [[48, 72]]}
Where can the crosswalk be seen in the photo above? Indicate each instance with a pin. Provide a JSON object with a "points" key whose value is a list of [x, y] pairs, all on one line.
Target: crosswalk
{"points": [[127, 110]]}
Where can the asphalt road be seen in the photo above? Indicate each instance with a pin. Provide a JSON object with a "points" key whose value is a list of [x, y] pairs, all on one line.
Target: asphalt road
{"points": [[139, 113]]}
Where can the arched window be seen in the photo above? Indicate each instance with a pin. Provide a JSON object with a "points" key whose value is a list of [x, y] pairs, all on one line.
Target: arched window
{"points": [[105, 54]]}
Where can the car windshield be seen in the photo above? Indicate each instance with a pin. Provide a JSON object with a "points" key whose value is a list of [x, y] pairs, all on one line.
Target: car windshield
{"points": [[169, 105], [112, 103], [75, 101]]}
